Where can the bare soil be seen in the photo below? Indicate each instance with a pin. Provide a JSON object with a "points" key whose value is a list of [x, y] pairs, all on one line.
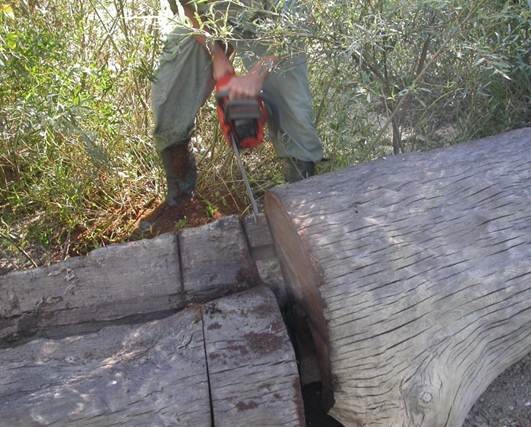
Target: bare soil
{"points": [[507, 401], [164, 219]]}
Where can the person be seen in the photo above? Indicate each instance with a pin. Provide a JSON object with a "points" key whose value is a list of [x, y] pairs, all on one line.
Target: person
{"points": [[188, 68]]}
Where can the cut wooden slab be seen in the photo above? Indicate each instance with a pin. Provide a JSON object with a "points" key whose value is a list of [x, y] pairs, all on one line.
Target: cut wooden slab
{"points": [[264, 254], [226, 363], [252, 368], [152, 374], [109, 283], [216, 260], [258, 232], [127, 281], [415, 273]]}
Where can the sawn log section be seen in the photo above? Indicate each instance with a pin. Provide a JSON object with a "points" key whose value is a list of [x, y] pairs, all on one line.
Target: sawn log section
{"points": [[415, 273], [227, 363], [127, 281]]}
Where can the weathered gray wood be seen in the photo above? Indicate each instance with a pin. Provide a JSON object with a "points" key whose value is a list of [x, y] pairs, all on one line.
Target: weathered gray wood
{"points": [[258, 232], [415, 272], [109, 283], [264, 254], [128, 280], [146, 375], [216, 260], [251, 363]]}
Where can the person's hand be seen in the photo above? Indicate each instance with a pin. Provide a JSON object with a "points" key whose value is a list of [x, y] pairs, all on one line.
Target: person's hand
{"points": [[221, 65], [247, 86]]}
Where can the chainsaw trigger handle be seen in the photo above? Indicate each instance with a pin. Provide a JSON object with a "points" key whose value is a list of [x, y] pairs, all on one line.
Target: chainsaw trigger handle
{"points": [[220, 96], [242, 109], [241, 119]]}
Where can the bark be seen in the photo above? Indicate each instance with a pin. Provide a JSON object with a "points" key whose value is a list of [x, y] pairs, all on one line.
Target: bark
{"points": [[415, 273]]}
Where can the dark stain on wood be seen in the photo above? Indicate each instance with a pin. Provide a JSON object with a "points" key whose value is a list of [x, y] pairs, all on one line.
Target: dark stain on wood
{"points": [[263, 342], [246, 406], [214, 326]]}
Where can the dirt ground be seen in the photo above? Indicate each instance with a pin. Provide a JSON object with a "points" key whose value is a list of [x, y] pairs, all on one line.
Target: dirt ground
{"points": [[507, 401], [164, 219]]}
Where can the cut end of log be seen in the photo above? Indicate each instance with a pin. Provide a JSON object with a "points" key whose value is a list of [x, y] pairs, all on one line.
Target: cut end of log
{"points": [[414, 275], [305, 279]]}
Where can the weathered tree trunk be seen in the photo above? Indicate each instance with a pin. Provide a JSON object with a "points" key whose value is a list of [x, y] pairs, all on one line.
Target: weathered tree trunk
{"points": [[227, 363], [125, 281], [149, 374], [415, 273]]}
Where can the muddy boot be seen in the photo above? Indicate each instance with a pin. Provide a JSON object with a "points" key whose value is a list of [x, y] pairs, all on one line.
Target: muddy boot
{"points": [[181, 173], [295, 170]]}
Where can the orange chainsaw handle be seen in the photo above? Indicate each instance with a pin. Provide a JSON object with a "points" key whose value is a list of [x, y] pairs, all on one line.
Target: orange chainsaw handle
{"points": [[221, 82], [226, 128]]}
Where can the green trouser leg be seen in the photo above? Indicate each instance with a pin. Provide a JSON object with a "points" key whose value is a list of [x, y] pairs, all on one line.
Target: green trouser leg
{"points": [[295, 170], [292, 124], [182, 83]]}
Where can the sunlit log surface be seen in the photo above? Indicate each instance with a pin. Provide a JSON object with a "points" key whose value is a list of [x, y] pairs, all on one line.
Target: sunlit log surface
{"points": [[135, 375], [226, 363], [415, 273], [130, 280]]}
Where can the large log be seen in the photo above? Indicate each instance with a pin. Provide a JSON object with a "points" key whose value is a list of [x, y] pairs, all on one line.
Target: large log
{"points": [[415, 273], [226, 363], [127, 281], [152, 374]]}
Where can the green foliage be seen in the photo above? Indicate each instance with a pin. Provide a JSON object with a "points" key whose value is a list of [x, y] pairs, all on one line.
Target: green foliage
{"points": [[75, 126], [413, 75], [77, 166]]}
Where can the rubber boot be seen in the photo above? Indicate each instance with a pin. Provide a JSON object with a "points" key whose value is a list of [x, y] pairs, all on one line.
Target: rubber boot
{"points": [[181, 172], [296, 170]]}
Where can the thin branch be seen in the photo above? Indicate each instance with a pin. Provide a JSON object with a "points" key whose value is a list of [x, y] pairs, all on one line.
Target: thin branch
{"points": [[13, 242], [423, 71]]}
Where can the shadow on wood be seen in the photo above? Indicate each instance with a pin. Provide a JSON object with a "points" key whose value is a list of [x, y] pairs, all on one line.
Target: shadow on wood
{"points": [[415, 273], [226, 363]]}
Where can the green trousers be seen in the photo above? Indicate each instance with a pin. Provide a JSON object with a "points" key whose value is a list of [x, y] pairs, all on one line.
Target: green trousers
{"points": [[184, 81]]}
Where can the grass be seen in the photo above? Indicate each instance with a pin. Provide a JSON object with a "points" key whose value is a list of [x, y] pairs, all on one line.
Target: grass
{"points": [[77, 164]]}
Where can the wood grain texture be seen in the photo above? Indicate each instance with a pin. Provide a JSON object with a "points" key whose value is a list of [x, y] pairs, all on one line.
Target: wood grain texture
{"points": [[216, 260], [263, 252], [128, 281], [145, 375], [107, 284], [416, 274], [251, 364], [226, 363]]}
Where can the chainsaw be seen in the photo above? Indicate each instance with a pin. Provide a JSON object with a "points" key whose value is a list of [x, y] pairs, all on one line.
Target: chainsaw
{"points": [[242, 122]]}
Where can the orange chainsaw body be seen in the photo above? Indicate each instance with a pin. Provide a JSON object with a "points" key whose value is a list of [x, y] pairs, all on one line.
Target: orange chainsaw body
{"points": [[241, 120]]}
